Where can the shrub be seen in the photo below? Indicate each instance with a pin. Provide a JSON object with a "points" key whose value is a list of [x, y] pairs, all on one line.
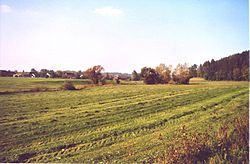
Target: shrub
{"points": [[68, 85]]}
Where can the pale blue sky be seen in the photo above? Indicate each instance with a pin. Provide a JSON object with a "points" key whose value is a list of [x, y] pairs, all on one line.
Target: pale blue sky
{"points": [[120, 35]]}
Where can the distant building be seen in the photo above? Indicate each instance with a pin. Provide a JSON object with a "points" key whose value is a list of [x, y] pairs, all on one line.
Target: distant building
{"points": [[17, 75], [33, 75], [48, 75]]}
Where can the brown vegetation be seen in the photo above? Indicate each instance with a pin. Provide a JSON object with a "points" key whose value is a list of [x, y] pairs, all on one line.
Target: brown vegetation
{"points": [[226, 145], [68, 85]]}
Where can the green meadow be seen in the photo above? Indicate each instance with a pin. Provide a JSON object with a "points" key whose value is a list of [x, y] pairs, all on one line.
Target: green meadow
{"points": [[123, 123]]}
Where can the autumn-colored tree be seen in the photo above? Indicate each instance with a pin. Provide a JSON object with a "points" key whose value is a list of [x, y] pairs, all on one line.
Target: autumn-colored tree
{"points": [[164, 73], [181, 74], [94, 74]]}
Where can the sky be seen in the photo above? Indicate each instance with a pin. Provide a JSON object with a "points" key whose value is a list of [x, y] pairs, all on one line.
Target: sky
{"points": [[120, 35]]}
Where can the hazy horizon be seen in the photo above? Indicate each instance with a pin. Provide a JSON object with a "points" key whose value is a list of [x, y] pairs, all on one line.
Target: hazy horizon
{"points": [[119, 35]]}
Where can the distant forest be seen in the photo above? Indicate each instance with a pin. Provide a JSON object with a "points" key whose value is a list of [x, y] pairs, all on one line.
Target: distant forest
{"points": [[234, 67]]}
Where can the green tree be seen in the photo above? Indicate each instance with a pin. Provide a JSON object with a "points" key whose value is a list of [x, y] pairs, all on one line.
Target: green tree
{"points": [[59, 74], [200, 72], [149, 75], [33, 71], [135, 76], [193, 71], [43, 72], [234, 67]]}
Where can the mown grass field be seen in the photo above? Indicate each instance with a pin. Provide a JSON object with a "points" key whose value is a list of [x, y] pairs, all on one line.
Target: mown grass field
{"points": [[11, 85], [122, 123]]}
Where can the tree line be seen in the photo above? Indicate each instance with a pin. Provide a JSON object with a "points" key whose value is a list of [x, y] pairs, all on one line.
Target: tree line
{"points": [[163, 74], [234, 67]]}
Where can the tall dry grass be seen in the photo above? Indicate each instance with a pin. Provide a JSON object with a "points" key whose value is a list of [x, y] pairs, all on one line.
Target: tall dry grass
{"points": [[229, 144]]}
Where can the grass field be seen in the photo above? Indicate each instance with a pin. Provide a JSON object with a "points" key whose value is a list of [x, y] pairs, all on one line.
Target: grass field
{"points": [[120, 123], [30, 84]]}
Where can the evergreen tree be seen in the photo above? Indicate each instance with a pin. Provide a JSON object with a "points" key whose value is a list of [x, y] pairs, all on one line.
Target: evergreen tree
{"points": [[234, 67]]}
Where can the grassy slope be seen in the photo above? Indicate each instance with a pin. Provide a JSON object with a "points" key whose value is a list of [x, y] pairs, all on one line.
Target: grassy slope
{"points": [[111, 123]]}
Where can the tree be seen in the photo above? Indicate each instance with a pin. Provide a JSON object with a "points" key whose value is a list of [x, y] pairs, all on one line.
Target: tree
{"points": [[94, 74], [135, 76], [234, 67], [52, 73], [107, 76], [206, 70], [78, 74], [103, 80], [193, 71], [43, 72], [164, 73], [245, 73], [181, 74], [149, 75], [33, 72], [59, 74], [236, 74], [212, 70], [200, 72]]}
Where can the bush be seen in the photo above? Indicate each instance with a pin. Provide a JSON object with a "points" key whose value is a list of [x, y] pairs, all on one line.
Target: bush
{"points": [[68, 85]]}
